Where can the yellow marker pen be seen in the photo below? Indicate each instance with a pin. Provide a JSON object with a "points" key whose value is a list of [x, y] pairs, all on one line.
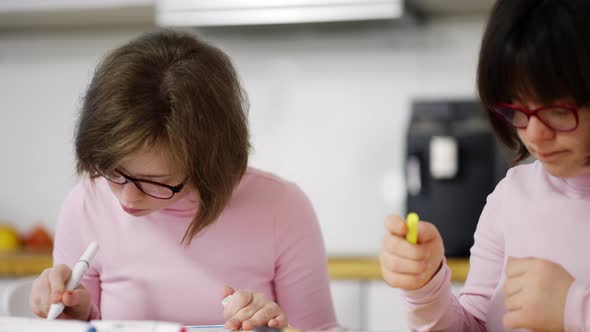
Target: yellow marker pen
{"points": [[412, 224]]}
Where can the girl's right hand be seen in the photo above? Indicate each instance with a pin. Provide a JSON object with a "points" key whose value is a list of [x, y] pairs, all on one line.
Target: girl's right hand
{"points": [[247, 310], [410, 266], [49, 288]]}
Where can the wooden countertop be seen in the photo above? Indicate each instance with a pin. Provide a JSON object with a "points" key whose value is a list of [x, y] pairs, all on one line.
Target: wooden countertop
{"points": [[24, 263], [367, 268], [339, 268]]}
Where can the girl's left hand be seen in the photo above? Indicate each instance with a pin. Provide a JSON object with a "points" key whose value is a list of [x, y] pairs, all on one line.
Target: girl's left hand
{"points": [[535, 291], [247, 310]]}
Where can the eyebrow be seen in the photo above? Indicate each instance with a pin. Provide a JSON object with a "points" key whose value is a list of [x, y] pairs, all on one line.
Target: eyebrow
{"points": [[140, 175]]}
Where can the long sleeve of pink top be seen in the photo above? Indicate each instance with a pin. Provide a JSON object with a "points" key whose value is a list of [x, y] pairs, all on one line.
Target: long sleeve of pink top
{"points": [[518, 220], [267, 239]]}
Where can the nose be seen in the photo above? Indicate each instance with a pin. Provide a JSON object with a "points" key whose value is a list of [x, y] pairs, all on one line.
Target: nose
{"points": [[536, 131], [130, 193]]}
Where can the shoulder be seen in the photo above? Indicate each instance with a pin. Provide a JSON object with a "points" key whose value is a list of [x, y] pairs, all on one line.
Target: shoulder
{"points": [[79, 218], [258, 177], [79, 194], [258, 184], [521, 181], [286, 206], [265, 194], [87, 198], [87, 190], [525, 176], [525, 171]]}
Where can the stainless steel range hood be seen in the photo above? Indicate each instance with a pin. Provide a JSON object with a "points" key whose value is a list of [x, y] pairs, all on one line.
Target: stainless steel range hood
{"points": [[259, 12], [36, 13], [254, 12]]}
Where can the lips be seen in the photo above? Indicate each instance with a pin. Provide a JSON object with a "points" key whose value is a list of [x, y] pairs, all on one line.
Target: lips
{"points": [[131, 210], [548, 155]]}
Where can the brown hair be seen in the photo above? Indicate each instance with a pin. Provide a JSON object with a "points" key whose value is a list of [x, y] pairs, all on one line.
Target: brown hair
{"points": [[173, 89]]}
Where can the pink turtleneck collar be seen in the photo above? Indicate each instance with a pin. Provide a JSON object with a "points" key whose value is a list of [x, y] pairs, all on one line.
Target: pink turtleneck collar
{"points": [[184, 207], [575, 187]]}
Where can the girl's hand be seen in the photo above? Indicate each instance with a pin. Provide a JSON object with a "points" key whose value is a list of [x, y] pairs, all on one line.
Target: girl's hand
{"points": [[49, 288], [410, 266], [535, 291], [247, 310]]}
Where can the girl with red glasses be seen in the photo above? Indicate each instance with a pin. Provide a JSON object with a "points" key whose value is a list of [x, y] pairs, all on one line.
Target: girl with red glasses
{"points": [[163, 142], [528, 266]]}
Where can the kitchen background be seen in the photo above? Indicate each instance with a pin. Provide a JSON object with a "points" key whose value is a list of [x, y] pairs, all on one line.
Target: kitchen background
{"points": [[330, 106]]}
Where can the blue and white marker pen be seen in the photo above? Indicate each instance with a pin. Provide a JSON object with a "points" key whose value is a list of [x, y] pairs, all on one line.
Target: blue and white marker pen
{"points": [[78, 272]]}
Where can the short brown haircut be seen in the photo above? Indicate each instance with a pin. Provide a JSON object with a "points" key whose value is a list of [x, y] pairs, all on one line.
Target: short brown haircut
{"points": [[169, 88]]}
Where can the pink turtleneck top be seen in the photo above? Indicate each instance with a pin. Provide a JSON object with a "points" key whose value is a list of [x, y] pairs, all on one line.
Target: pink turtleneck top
{"points": [[520, 220], [267, 239]]}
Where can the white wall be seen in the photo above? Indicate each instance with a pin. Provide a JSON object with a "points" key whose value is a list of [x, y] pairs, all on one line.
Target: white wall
{"points": [[330, 105], [42, 77]]}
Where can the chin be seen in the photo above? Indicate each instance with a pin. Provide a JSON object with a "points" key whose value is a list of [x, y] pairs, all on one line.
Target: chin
{"points": [[144, 213]]}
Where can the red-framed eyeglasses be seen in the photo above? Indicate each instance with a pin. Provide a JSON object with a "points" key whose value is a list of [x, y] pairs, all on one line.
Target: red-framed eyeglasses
{"points": [[556, 117]]}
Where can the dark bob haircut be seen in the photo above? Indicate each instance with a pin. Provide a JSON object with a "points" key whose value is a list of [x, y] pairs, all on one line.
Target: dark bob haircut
{"points": [[534, 50]]}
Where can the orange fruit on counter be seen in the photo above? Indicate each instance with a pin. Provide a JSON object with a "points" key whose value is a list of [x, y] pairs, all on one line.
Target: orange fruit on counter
{"points": [[38, 239]]}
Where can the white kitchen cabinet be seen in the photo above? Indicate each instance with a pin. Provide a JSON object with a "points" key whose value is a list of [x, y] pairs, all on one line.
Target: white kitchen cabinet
{"points": [[385, 309], [371, 305], [347, 297], [5, 283], [43, 13], [52, 5]]}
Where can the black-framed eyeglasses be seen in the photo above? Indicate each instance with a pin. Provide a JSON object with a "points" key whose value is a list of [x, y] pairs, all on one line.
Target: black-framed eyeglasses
{"points": [[151, 188], [556, 117]]}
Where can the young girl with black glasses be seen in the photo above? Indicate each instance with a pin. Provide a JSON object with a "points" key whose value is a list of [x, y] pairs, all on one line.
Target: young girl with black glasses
{"points": [[163, 142]]}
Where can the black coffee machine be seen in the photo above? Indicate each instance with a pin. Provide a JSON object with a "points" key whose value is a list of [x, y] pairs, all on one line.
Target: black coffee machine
{"points": [[453, 162]]}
